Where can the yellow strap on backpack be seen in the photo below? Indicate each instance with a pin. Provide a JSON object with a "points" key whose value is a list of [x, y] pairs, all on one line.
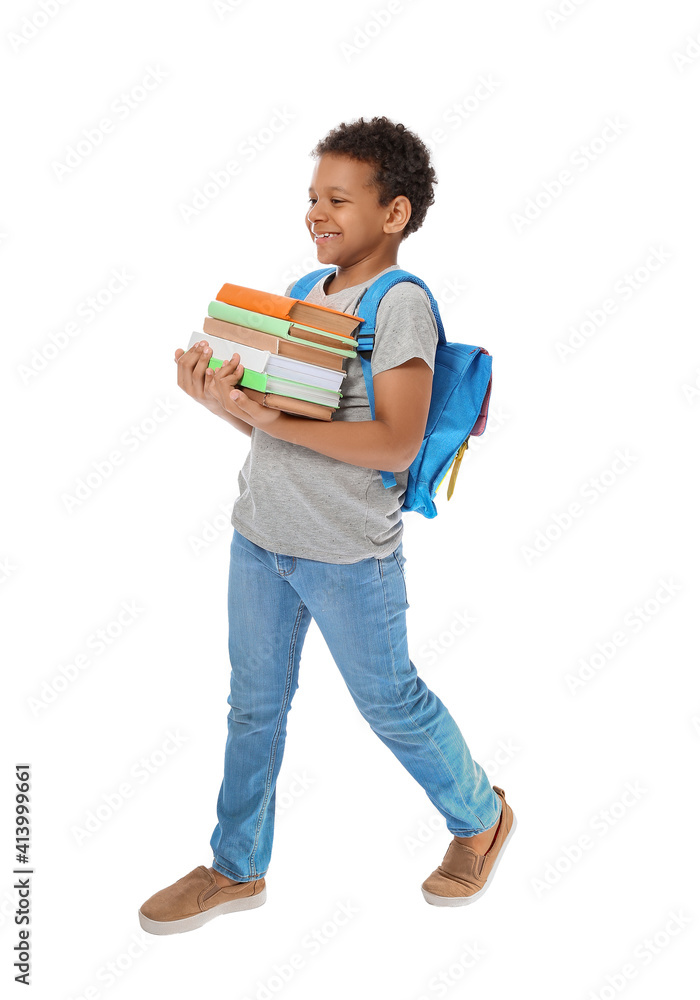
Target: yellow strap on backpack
{"points": [[455, 469]]}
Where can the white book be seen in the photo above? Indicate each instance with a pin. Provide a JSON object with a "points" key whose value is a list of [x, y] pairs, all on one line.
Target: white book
{"points": [[272, 364], [223, 350]]}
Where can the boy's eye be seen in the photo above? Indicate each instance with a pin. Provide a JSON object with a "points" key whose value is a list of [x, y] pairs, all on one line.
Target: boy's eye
{"points": [[339, 200]]}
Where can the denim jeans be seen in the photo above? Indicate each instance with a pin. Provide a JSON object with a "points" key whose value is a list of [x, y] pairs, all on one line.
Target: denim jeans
{"points": [[360, 609]]}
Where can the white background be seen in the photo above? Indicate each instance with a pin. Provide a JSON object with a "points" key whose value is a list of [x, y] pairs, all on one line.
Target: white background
{"points": [[556, 922]]}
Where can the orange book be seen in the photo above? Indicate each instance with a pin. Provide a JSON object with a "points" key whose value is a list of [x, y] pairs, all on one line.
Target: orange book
{"points": [[293, 310]]}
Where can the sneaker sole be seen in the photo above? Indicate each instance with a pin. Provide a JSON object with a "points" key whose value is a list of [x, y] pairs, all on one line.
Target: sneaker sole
{"points": [[191, 923], [463, 900]]}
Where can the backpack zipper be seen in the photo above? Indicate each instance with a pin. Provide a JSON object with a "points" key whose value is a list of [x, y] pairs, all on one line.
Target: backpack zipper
{"points": [[454, 465]]}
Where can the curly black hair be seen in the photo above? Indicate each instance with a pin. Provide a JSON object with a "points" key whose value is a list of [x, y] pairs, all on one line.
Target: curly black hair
{"points": [[401, 160]]}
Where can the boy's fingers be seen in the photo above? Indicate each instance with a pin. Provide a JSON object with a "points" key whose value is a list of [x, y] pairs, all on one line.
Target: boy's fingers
{"points": [[189, 358], [195, 376], [205, 355], [232, 361], [190, 366], [229, 368]]}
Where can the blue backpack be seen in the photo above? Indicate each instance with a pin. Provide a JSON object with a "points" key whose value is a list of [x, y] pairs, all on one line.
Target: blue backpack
{"points": [[460, 395]]}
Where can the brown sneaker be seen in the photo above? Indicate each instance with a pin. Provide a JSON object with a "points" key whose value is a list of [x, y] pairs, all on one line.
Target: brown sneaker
{"points": [[196, 898], [465, 875]]}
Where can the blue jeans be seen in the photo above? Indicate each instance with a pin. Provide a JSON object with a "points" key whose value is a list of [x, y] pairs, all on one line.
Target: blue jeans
{"points": [[360, 609]]}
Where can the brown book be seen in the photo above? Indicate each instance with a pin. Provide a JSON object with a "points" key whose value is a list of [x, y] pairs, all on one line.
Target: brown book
{"points": [[299, 407], [275, 345], [286, 308]]}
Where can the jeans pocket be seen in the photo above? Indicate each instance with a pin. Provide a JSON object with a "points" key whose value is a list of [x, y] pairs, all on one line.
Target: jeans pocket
{"points": [[401, 562]]}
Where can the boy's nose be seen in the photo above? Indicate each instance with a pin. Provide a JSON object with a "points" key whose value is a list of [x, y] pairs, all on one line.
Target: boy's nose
{"points": [[313, 214]]}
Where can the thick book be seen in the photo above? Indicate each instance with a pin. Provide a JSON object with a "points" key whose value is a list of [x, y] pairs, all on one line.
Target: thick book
{"points": [[344, 346], [268, 342], [295, 311], [257, 376]]}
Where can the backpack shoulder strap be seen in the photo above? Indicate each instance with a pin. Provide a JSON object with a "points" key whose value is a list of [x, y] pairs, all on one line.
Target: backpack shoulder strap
{"points": [[303, 286], [367, 308], [378, 289]]}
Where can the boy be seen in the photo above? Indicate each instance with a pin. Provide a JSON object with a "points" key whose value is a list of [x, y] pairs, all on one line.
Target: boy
{"points": [[316, 534]]}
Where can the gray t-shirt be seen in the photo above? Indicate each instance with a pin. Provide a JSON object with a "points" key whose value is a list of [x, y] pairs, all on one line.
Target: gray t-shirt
{"points": [[296, 502]]}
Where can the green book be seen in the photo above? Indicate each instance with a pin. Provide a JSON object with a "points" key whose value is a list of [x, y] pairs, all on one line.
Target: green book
{"points": [[288, 387], [279, 327], [284, 386]]}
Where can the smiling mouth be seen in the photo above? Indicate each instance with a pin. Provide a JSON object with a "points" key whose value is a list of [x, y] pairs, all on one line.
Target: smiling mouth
{"points": [[325, 237]]}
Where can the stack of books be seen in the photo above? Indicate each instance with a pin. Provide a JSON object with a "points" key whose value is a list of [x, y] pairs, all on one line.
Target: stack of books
{"points": [[292, 351]]}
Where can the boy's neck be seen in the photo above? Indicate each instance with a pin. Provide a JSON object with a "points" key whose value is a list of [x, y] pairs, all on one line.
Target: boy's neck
{"points": [[357, 274]]}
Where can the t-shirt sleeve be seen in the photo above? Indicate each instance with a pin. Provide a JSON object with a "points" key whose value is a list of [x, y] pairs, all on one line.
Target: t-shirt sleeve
{"points": [[290, 287], [406, 328]]}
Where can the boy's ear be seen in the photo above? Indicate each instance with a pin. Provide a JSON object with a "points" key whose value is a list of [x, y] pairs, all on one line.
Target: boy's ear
{"points": [[399, 214]]}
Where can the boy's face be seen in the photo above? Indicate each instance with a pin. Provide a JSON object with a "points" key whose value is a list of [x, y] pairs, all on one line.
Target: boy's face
{"points": [[341, 201]]}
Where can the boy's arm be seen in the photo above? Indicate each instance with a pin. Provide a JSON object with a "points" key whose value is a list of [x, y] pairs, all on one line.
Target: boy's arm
{"points": [[391, 441]]}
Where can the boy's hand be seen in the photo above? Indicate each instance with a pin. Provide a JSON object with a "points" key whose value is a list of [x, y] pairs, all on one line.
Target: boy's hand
{"points": [[194, 377], [221, 387]]}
